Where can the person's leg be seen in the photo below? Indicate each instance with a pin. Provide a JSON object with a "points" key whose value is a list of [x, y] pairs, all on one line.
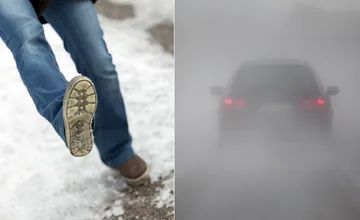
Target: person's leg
{"points": [[24, 36], [63, 104], [77, 24]]}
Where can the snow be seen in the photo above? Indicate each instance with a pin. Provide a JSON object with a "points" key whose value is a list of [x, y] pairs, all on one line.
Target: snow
{"points": [[117, 210], [39, 179]]}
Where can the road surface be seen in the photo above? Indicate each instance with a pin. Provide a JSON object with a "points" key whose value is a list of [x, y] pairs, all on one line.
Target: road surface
{"points": [[263, 181]]}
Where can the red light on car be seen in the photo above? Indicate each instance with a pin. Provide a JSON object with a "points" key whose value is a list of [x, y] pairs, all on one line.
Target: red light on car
{"points": [[321, 101], [228, 101], [315, 103], [235, 103]]}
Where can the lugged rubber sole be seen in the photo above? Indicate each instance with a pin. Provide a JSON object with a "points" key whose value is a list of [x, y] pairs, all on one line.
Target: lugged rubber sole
{"points": [[79, 106]]}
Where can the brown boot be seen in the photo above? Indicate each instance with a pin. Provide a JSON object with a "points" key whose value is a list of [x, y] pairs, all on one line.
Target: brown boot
{"points": [[135, 171]]}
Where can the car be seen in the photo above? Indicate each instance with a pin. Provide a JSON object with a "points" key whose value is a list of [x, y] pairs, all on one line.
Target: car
{"points": [[277, 98]]}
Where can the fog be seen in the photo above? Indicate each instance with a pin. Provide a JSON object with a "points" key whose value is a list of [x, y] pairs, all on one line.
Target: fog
{"points": [[263, 180]]}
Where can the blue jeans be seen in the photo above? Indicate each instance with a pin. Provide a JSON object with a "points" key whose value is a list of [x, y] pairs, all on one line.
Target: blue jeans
{"points": [[77, 24]]}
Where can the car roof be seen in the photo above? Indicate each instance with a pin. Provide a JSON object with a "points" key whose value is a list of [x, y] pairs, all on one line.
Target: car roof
{"points": [[260, 62], [275, 62]]}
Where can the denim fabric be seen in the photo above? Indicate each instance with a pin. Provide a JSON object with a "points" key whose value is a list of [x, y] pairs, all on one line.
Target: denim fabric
{"points": [[77, 24]]}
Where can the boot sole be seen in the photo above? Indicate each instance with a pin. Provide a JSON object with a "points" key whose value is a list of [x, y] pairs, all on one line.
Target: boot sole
{"points": [[79, 106]]}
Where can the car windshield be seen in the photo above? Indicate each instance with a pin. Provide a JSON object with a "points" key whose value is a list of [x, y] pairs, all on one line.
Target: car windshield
{"points": [[274, 76]]}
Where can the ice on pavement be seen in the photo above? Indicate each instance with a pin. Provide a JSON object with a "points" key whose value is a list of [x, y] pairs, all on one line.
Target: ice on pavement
{"points": [[39, 180]]}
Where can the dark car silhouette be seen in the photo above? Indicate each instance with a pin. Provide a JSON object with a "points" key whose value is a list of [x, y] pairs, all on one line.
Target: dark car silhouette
{"points": [[285, 97]]}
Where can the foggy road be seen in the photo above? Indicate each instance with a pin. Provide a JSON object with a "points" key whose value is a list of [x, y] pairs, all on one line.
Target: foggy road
{"points": [[266, 182]]}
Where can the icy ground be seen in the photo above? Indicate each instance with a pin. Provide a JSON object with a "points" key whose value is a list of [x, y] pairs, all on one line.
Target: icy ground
{"points": [[39, 180]]}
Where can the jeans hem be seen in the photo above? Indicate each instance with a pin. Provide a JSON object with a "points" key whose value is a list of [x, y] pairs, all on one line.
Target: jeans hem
{"points": [[126, 154]]}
